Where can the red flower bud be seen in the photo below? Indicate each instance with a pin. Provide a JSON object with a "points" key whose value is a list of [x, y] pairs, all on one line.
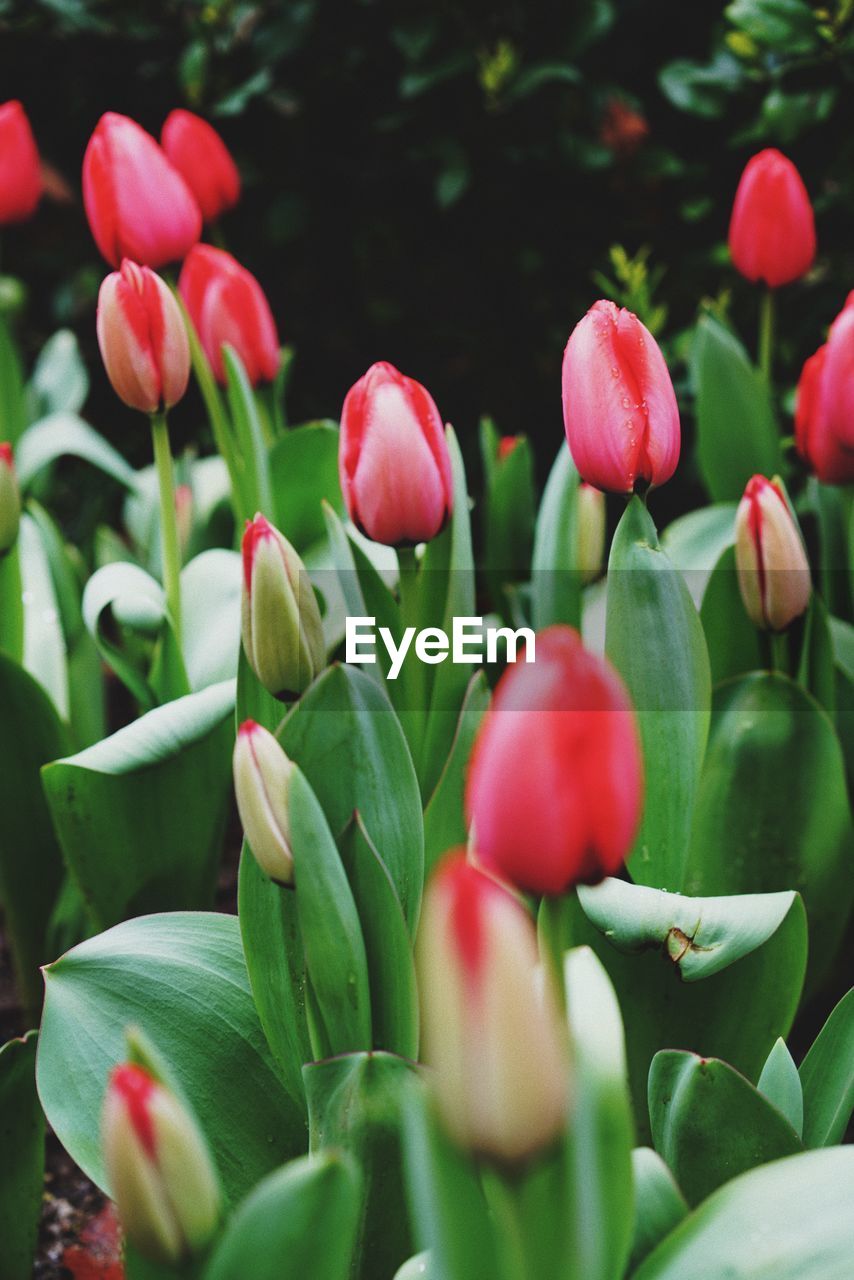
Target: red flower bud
{"points": [[623, 129], [772, 229], [10, 500], [20, 172], [137, 203], [143, 339], [555, 781], [619, 407], [393, 458], [773, 570], [506, 445], [202, 158], [492, 1029], [227, 305]]}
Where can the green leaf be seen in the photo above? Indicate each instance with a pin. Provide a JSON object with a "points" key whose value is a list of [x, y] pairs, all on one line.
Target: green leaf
{"points": [[701, 90], [786, 26], [780, 1083], [59, 381], [182, 980], [210, 605], [790, 1219], [736, 432], [732, 639], [696, 541], [710, 1124], [364, 593], [11, 605], [252, 448], [654, 639], [509, 519], [659, 1204], [816, 665], [124, 595], [159, 791], [304, 475], [13, 409], [61, 435], [752, 835], [45, 655], [22, 1166], [555, 583], [299, 1222], [445, 824], [827, 1077]]}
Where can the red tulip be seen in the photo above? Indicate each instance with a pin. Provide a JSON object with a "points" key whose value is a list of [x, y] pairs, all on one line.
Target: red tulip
{"points": [[506, 445], [772, 566], [20, 171], [772, 229], [143, 339], [393, 458], [137, 203], [824, 408], [227, 305], [619, 407], [555, 781], [200, 155]]}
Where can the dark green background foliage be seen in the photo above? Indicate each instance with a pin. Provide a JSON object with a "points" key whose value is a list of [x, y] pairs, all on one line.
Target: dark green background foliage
{"points": [[429, 183]]}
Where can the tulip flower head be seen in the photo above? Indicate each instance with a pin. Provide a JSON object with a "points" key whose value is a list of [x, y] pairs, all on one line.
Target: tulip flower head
{"points": [[619, 406], [227, 305], [590, 524], [506, 445], [20, 169], [772, 228], [772, 566], [282, 629], [137, 203], [262, 773], [393, 459], [143, 339], [555, 782], [10, 500], [160, 1171], [493, 1033], [824, 407], [202, 158]]}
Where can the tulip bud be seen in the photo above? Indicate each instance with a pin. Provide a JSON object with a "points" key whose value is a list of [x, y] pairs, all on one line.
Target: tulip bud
{"points": [[492, 1030], [393, 459], [203, 160], [772, 228], [262, 772], [20, 169], [773, 571], [282, 630], [10, 500], [619, 407], [159, 1169], [590, 518], [227, 305], [506, 445], [555, 780], [137, 203], [143, 339]]}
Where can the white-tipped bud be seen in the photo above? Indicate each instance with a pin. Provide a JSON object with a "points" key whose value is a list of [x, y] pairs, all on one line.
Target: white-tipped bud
{"points": [[590, 524], [262, 773], [773, 570]]}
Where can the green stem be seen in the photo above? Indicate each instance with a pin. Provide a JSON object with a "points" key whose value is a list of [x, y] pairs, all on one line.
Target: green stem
{"points": [[766, 335], [503, 1201], [779, 653], [413, 712], [169, 545]]}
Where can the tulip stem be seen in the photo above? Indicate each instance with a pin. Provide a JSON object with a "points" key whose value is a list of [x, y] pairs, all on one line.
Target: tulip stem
{"points": [[503, 1198], [766, 334], [169, 545]]}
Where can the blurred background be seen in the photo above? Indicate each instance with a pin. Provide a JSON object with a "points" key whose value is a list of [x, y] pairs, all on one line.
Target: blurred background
{"points": [[444, 185]]}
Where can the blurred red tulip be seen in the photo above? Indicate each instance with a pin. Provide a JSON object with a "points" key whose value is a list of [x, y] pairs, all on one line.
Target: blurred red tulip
{"points": [[772, 229], [555, 782], [623, 129], [227, 305], [773, 570], [619, 407], [20, 172], [143, 339], [824, 407], [393, 458], [137, 203], [506, 445], [200, 155]]}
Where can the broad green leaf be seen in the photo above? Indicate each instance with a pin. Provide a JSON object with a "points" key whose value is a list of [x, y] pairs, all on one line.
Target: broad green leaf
{"points": [[710, 1124], [659, 1204], [22, 1165], [298, 1224], [31, 867], [304, 475], [731, 637], [655, 641], [736, 432], [124, 595], [445, 824], [509, 520], [415, 1268], [772, 812], [362, 589], [555, 584], [63, 434], [59, 381], [249, 433], [45, 655], [790, 1220], [827, 1077], [696, 541], [159, 791], [11, 605], [816, 665], [181, 979], [210, 605], [13, 408], [780, 1083]]}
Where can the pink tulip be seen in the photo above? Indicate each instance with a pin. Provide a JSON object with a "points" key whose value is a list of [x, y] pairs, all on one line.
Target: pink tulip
{"points": [[20, 170], [143, 339], [200, 155], [773, 570], [227, 305], [772, 228], [824, 408]]}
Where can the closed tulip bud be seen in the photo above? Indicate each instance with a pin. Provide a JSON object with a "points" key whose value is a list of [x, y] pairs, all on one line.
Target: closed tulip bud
{"points": [[227, 305], [619, 406], [493, 1033], [204, 161], [10, 500], [773, 571], [143, 339], [590, 518], [393, 459], [20, 169], [282, 630], [506, 445], [262, 773], [772, 228], [159, 1168], [555, 782], [137, 203]]}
